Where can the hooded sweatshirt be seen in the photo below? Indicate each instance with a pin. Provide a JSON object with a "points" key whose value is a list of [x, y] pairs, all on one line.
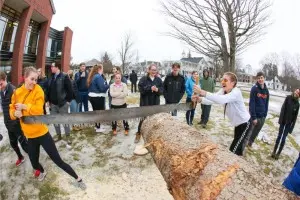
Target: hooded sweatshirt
{"points": [[34, 101], [207, 83], [259, 101]]}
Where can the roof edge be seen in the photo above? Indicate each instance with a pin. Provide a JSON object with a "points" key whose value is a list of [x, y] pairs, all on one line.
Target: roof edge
{"points": [[52, 6]]}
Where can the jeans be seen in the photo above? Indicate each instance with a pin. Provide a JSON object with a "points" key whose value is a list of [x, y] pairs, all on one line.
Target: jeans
{"points": [[84, 99], [280, 141], [74, 106], [255, 130], [190, 113], [60, 110], [205, 113]]}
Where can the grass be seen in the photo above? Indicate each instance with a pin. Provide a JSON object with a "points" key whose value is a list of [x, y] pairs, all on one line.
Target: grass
{"points": [[49, 192], [294, 143], [246, 95], [132, 100]]}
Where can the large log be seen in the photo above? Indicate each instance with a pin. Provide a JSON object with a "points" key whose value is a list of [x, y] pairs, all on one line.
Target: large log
{"points": [[196, 168]]}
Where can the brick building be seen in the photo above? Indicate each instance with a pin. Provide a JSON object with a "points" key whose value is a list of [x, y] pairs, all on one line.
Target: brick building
{"points": [[26, 38]]}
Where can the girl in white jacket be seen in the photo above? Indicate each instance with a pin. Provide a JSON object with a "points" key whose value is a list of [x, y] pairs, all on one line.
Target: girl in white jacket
{"points": [[235, 109]]}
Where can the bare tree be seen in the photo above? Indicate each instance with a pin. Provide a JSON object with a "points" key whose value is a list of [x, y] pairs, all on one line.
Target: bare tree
{"points": [[269, 65], [126, 51], [297, 64], [218, 28]]}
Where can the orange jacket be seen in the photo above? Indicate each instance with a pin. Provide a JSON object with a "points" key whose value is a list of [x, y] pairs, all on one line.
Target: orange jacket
{"points": [[34, 100]]}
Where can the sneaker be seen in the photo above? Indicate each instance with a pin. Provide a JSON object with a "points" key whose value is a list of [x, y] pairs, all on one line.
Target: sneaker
{"points": [[203, 125], [100, 130], [68, 139], [276, 157], [20, 161], [58, 138], [42, 176], [36, 173], [114, 132], [200, 123], [126, 132], [137, 137], [81, 185]]}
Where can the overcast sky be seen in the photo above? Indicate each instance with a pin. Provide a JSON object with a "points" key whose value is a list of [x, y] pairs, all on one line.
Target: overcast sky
{"points": [[98, 26]]}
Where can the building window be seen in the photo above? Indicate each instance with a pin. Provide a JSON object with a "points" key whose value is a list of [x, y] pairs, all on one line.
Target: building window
{"points": [[32, 37], [9, 20]]}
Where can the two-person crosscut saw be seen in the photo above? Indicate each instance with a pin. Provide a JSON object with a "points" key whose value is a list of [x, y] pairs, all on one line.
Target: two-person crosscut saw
{"points": [[104, 115]]}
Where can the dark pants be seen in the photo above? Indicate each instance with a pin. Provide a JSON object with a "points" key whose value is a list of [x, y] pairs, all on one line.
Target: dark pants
{"points": [[84, 100], [205, 113], [114, 123], [240, 134], [15, 134], [190, 113], [174, 112], [133, 85], [98, 103], [140, 124], [255, 130], [280, 141], [48, 145]]}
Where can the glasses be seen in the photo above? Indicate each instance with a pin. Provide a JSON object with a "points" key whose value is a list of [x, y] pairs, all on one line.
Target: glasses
{"points": [[224, 80]]}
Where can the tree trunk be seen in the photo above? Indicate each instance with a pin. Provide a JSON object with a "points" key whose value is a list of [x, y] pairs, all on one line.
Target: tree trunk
{"points": [[196, 168]]}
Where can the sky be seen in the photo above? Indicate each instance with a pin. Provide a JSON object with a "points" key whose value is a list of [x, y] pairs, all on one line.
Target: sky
{"points": [[99, 26]]}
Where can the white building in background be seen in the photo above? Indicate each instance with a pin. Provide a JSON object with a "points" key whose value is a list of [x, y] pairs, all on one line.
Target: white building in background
{"points": [[187, 65], [278, 84]]}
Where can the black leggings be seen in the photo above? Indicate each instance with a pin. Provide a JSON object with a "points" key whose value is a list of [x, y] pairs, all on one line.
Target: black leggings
{"points": [[48, 144], [114, 123], [15, 134], [98, 103], [240, 134]]}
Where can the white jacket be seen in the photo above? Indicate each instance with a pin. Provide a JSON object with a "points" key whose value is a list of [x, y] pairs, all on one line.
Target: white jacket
{"points": [[235, 110]]}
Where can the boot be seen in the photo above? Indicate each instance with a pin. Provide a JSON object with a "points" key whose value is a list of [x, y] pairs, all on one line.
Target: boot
{"points": [[274, 151], [137, 137]]}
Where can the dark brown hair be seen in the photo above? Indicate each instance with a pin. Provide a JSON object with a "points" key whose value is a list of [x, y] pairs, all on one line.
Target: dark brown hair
{"points": [[260, 74], [176, 65], [3, 76], [93, 71]]}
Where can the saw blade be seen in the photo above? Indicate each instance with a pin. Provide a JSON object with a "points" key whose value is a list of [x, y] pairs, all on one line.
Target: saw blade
{"points": [[104, 115]]}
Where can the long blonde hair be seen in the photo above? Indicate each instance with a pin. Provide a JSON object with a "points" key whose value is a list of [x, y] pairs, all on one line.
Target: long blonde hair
{"points": [[94, 71]]}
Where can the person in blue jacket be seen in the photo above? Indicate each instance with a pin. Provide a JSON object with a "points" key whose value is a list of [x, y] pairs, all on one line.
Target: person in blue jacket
{"points": [[97, 87], [258, 107], [189, 84], [292, 182]]}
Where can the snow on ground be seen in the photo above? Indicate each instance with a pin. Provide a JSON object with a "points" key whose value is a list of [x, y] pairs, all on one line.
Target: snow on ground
{"points": [[111, 171]]}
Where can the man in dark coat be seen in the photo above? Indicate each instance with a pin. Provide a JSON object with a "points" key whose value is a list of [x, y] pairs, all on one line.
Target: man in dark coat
{"points": [[15, 132], [133, 79], [174, 86], [150, 87]]}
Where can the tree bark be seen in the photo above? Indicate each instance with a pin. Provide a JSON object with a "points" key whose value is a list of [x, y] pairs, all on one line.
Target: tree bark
{"points": [[196, 168]]}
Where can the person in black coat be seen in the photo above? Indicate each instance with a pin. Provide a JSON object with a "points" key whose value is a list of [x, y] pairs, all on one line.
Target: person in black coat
{"points": [[14, 129], [133, 79], [287, 119], [42, 81], [174, 86], [150, 87]]}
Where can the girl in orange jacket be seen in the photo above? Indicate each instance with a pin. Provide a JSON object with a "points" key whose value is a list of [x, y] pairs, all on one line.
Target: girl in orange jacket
{"points": [[29, 100]]}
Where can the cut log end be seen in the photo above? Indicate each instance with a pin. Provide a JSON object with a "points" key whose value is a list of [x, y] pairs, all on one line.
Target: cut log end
{"points": [[196, 168]]}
